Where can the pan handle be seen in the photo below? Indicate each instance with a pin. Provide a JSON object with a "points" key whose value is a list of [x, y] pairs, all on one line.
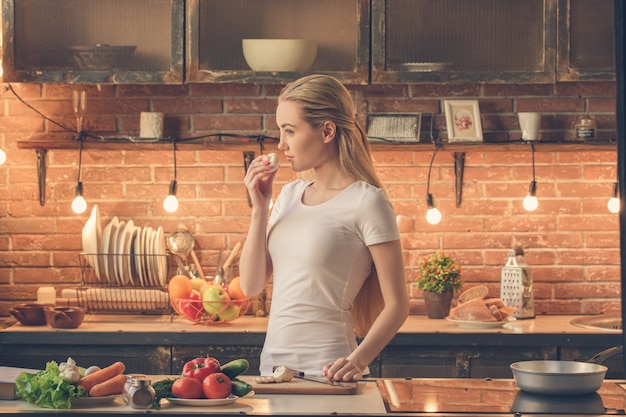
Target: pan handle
{"points": [[606, 354]]}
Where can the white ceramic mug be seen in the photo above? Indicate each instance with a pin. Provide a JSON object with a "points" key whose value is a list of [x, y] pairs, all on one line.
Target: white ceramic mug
{"points": [[529, 122], [151, 125]]}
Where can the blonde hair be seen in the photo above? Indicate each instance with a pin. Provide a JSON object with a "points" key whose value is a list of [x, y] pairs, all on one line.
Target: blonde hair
{"points": [[323, 98]]}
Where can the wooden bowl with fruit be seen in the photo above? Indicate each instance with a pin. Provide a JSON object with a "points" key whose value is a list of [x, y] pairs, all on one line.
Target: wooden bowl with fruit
{"points": [[206, 302]]}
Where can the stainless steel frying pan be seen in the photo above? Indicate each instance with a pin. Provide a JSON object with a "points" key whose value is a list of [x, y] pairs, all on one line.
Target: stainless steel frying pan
{"points": [[551, 377]]}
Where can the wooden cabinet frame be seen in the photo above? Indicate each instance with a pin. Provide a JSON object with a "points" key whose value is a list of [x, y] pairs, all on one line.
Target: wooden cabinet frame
{"points": [[381, 73], [172, 75], [566, 70], [197, 73]]}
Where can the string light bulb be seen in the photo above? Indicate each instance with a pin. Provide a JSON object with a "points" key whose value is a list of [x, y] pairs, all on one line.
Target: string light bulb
{"points": [[433, 215], [79, 204], [614, 203], [530, 202], [3, 157], [170, 203]]}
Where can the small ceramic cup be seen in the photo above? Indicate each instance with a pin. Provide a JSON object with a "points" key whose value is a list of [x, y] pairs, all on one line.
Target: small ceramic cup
{"points": [[64, 317]]}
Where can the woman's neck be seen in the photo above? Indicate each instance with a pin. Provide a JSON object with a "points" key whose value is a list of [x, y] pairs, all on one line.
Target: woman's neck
{"points": [[331, 177]]}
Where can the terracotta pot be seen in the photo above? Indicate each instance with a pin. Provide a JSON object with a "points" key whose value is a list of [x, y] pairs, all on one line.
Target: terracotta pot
{"points": [[437, 305], [64, 317], [30, 314]]}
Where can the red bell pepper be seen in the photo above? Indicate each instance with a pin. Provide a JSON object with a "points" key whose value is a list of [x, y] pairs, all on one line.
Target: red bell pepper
{"points": [[200, 368]]}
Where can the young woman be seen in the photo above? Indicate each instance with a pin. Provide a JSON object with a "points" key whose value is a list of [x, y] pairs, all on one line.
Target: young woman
{"points": [[331, 243]]}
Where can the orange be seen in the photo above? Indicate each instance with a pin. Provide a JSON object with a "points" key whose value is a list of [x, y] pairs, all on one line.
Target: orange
{"points": [[179, 287], [234, 289]]}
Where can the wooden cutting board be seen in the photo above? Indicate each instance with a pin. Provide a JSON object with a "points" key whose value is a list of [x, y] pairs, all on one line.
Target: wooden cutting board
{"points": [[300, 387]]}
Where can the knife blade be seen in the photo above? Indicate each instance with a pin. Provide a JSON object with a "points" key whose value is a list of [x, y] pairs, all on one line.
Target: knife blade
{"points": [[321, 380]]}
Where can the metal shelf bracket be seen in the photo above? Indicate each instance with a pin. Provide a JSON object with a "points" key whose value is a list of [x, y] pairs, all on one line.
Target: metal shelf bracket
{"points": [[41, 175], [459, 167]]}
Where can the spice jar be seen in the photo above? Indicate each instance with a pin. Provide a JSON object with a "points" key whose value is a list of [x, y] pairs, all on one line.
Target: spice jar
{"points": [[585, 128], [141, 394], [129, 382]]}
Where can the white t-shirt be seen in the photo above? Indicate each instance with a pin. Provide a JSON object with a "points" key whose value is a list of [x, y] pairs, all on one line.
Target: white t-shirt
{"points": [[320, 259]]}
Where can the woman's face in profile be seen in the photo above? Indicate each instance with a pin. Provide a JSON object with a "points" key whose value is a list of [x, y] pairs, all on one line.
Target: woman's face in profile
{"points": [[302, 144]]}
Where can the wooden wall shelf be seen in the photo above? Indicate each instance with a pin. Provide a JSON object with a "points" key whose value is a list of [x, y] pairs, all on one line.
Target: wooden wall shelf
{"points": [[227, 142], [234, 143]]}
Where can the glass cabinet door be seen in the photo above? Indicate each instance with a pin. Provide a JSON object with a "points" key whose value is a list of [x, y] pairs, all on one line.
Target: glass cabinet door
{"points": [[93, 41], [216, 28], [463, 40], [586, 48]]}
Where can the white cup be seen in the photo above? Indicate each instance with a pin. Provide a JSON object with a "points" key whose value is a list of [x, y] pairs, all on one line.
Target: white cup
{"points": [[151, 125], [529, 122], [46, 295]]}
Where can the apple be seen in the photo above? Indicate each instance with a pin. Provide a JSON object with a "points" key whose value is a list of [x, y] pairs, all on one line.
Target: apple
{"points": [[215, 298], [191, 307], [197, 283], [231, 313]]}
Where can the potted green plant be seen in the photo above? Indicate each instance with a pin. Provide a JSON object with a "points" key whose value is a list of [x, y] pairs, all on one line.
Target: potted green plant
{"points": [[440, 277]]}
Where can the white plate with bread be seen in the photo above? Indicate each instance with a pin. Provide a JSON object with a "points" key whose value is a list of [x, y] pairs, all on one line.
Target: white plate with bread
{"points": [[476, 324], [477, 311]]}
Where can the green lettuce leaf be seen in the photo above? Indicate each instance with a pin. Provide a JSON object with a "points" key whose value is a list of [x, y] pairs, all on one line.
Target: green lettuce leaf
{"points": [[47, 389]]}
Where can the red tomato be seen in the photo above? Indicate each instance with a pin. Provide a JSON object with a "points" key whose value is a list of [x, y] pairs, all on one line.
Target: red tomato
{"points": [[216, 386], [188, 388], [200, 368]]}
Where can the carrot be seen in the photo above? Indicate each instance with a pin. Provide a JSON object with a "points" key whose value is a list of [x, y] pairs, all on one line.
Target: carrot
{"points": [[111, 386], [102, 375]]}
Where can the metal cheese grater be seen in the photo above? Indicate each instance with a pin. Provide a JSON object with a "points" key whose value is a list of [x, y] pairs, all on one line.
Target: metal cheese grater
{"points": [[516, 285]]}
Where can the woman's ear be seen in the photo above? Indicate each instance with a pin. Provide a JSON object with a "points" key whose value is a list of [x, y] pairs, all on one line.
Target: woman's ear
{"points": [[328, 131]]}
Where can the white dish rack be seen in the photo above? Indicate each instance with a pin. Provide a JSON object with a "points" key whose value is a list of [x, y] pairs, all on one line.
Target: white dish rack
{"points": [[133, 297]]}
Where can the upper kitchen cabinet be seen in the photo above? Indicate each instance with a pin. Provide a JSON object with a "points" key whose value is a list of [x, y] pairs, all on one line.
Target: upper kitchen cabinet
{"points": [[586, 43], [216, 28], [463, 40], [93, 41]]}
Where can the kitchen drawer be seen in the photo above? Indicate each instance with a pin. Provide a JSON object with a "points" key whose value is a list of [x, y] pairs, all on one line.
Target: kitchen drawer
{"points": [[457, 362], [151, 360]]}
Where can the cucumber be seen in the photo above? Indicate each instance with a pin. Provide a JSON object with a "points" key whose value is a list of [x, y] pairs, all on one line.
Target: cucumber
{"points": [[240, 388], [235, 367]]}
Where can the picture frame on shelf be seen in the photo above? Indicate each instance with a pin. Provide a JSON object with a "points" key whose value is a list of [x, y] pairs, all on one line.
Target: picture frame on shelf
{"points": [[463, 121]]}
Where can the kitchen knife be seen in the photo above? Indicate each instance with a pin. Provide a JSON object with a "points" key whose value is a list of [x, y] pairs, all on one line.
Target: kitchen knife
{"points": [[319, 379]]}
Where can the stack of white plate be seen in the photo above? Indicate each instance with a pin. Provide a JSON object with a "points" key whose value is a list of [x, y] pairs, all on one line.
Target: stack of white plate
{"points": [[123, 254]]}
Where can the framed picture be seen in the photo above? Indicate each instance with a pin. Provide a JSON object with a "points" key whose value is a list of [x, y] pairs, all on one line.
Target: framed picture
{"points": [[463, 121]]}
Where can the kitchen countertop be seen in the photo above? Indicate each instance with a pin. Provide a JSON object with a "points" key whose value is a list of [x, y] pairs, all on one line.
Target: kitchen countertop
{"points": [[442, 398], [249, 330], [367, 401]]}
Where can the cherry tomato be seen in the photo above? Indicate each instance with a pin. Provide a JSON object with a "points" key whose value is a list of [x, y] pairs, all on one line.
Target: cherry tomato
{"points": [[188, 388], [200, 368], [216, 386]]}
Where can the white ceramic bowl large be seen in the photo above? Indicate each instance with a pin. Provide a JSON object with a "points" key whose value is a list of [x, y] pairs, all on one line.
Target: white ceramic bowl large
{"points": [[279, 55]]}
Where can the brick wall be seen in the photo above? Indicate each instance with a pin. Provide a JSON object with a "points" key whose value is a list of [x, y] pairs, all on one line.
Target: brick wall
{"points": [[571, 241]]}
